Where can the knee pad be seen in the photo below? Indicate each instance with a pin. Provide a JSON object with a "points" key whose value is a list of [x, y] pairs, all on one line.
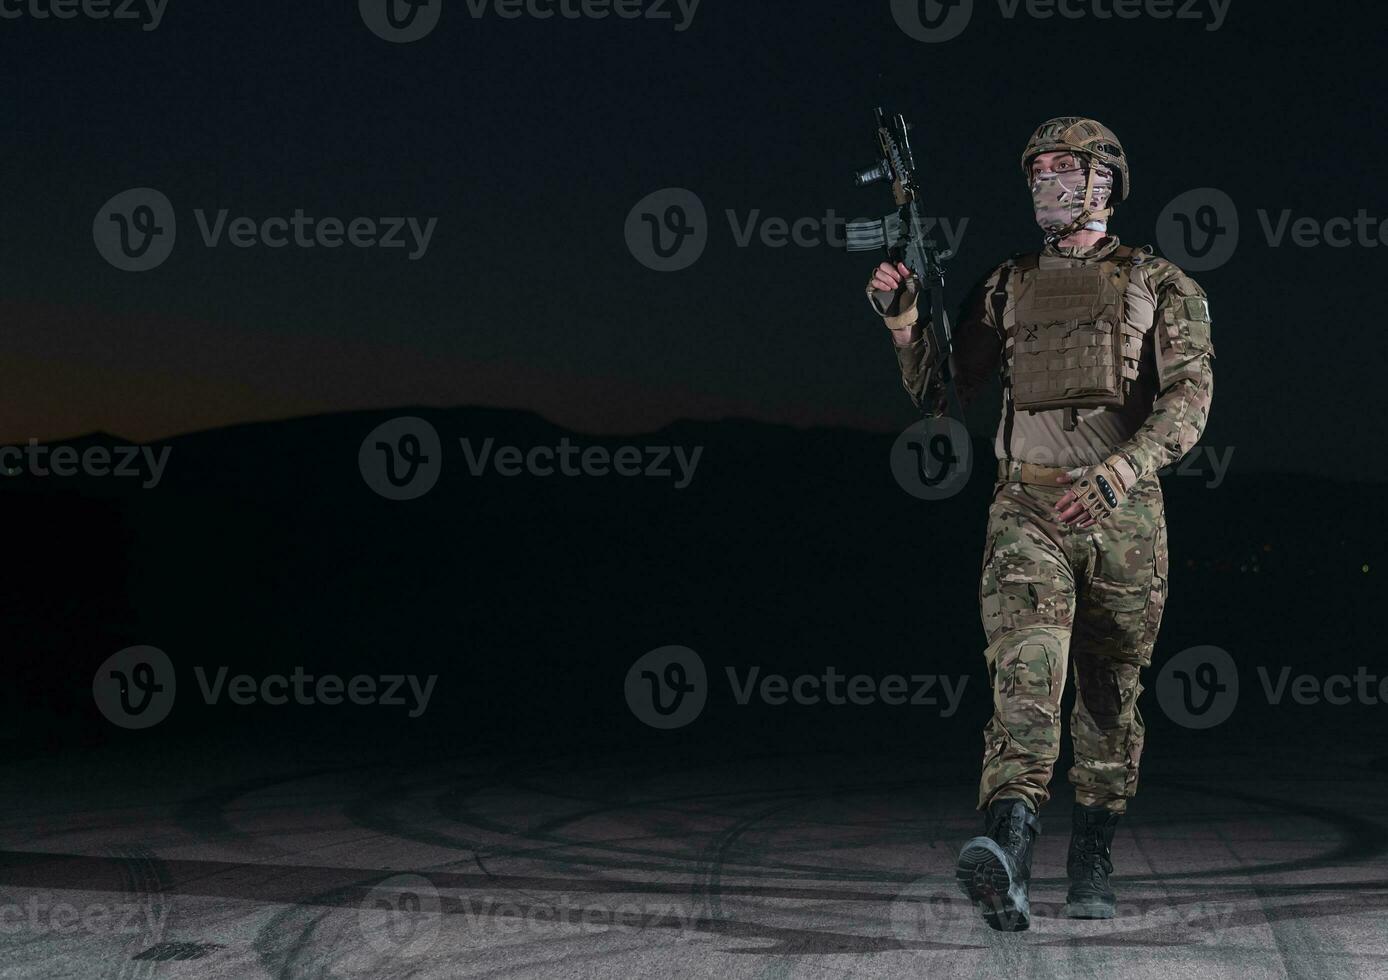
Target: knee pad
{"points": [[1108, 689], [1029, 664]]}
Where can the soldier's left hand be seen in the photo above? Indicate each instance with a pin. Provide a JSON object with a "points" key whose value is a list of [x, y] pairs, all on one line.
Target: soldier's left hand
{"points": [[1096, 494], [1069, 508]]}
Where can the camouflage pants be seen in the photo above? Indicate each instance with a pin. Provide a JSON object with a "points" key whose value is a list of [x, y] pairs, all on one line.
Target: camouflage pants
{"points": [[1054, 599]]}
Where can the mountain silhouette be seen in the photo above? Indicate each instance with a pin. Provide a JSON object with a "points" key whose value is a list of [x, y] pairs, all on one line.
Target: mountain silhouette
{"points": [[263, 548]]}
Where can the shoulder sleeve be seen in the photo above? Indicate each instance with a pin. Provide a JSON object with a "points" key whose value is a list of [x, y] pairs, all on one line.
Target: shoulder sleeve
{"points": [[1182, 325], [1185, 372]]}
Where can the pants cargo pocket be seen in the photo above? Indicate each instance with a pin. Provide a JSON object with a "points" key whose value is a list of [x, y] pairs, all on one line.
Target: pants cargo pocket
{"points": [[1137, 737], [1156, 597]]}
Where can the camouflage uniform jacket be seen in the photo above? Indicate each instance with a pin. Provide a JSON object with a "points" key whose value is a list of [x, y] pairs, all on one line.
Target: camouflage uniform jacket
{"points": [[1167, 408]]}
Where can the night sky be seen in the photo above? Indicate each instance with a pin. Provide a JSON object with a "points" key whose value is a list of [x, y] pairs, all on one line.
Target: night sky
{"points": [[531, 140]]}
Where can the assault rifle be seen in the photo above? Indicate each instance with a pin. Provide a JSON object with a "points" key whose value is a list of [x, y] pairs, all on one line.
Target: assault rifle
{"points": [[906, 239]]}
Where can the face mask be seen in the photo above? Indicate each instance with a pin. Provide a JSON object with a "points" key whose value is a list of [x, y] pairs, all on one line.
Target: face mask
{"points": [[1058, 197]]}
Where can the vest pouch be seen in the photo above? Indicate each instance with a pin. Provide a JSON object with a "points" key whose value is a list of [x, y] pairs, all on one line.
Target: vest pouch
{"points": [[1069, 345]]}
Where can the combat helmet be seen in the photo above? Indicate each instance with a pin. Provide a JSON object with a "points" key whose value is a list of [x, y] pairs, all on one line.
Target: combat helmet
{"points": [[1086, 138]]}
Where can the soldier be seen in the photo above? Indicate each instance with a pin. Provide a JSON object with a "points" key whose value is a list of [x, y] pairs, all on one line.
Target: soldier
{"points": [[1106, 362]]}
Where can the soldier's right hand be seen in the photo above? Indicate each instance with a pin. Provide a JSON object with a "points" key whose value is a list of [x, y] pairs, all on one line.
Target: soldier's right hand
{"points": [[888, 278], [894, 288]]}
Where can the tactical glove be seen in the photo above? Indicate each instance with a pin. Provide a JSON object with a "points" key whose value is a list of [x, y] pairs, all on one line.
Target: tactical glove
{"points": [[899, 306], [1099, 489]]}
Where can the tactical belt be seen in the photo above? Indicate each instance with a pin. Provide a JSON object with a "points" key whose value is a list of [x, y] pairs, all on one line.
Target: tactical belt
{"points": [[1015, 471]]}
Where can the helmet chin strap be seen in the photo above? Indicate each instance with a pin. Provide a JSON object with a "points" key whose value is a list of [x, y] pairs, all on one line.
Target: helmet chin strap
{"points": [[1088, 216]]}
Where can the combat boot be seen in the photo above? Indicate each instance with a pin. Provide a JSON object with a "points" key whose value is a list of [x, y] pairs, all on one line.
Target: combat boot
{"points": [[994, 871], [1089, 864]]}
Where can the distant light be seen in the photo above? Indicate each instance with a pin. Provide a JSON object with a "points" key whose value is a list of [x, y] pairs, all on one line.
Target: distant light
{"points": [[1364, 568]]}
